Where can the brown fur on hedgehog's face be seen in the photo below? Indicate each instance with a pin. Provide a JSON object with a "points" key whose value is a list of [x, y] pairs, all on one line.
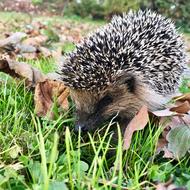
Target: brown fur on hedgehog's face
{"points": [[93, 108]]}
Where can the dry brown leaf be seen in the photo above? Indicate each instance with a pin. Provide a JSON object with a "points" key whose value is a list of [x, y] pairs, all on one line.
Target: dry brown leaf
{"points": [[170, 122], [13, 39], [164, 113], [32, 32], [184, 97], [36, 41], [137, 123], [57, 55], [182, 108], [22, 70], [48, 87], [44, 97], [30, 56], [179, 110], [4, 67], [45, 52], [24, 48]]}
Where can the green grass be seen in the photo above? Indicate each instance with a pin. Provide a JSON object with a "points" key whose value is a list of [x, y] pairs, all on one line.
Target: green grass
{"points": [[41, 154], [37, 153], [184, 88]]}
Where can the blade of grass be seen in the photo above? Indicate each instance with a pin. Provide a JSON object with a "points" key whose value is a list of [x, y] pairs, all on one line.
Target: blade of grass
{"points": [[69, 148], [42, 153], [54, 153]]}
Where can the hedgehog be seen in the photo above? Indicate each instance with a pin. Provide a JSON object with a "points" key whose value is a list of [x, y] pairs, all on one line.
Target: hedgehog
{"points": [[137, 59]]}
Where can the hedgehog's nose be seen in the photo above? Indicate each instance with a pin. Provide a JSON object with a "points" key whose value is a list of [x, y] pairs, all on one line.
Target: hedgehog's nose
{"points": [[83, 128]]}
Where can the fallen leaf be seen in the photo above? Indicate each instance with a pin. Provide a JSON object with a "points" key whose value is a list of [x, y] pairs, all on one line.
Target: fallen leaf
{"points": [[36, 41], [24, 48], [137, 123], [178, 140], [168, 123], [186, 119], [57, 55], [182, 108], [21, 70], [171, 122], [164, 113], [32, 32], [45, 52], [44, 97], [47, 87], [13, 39], [4, 67], [184, 97], [33, 55], [53, 76]]}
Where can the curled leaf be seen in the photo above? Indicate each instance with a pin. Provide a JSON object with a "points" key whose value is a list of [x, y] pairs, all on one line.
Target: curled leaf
{"points": [[178, 110], [23, 48], [36, 41], [48, 88], [45, 92], [164, 113], [182, 108], [184, 97], [13, 39], [137, 123], [21, 70]]}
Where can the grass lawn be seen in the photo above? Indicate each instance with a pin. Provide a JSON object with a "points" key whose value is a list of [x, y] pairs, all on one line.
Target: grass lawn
{"points": [[40, 154]]}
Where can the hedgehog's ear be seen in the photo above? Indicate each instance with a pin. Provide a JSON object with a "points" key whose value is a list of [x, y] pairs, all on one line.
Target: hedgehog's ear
{"points": [[127, 80]]}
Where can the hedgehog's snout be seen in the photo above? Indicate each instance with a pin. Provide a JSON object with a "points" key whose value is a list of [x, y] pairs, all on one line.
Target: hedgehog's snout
{"points": [[88, 122], [81, 127]]}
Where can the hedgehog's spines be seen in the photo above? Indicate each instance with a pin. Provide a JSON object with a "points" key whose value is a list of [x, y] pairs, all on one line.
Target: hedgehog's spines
{"points": [[142, 42]]}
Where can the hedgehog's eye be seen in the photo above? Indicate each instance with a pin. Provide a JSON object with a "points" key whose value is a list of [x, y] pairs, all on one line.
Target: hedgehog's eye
{"points": [[106, 100]]}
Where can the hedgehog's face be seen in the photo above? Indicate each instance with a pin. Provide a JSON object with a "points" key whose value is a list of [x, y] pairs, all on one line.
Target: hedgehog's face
{"points": [[93, 109]]}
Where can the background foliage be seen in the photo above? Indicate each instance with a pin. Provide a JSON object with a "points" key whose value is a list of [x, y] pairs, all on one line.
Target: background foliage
{"points": [[177, 9]]}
